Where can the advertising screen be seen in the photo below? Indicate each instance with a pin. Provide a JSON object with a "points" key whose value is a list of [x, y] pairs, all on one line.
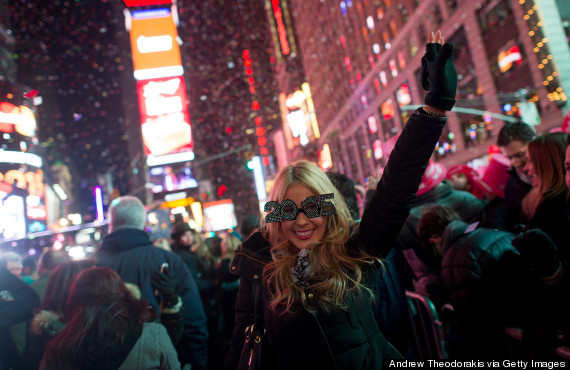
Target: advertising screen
{"points": [[164, 116], [12, 216], [153, 41], [170, 178], [509, 57], [219, 215]]}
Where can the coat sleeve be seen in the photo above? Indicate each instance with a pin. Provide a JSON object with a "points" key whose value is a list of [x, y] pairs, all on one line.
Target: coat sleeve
{"points": [[390, 205], [168, 357], [242, 319], [193, 346]]}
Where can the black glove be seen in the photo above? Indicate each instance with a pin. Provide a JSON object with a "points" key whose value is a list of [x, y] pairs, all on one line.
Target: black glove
{"points": [[438, 76], [538, 252], [166, 285]]}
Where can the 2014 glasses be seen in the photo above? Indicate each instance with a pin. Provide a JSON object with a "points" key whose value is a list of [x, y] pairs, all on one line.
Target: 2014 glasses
{"points": [[313, 206]]}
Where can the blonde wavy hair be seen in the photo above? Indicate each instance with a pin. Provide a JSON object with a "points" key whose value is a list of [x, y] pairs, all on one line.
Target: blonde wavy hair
{"points": [[547, 153], [337, 273]]}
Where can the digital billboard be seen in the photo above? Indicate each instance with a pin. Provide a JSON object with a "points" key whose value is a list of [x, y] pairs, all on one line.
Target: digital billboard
{"points": [[171, 178], [163, 102], [164, 116], [154, 44], [219, 215]]}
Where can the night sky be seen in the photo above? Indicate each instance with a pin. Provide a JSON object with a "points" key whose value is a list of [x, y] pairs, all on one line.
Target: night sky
{"points": [[77, 54]]}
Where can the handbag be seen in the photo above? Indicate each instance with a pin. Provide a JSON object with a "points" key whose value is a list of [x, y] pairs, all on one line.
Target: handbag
{"points": [[251, 353]]}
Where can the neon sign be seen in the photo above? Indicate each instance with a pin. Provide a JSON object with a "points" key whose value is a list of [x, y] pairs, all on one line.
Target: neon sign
{"points": [[133, 3], [285, 49]]}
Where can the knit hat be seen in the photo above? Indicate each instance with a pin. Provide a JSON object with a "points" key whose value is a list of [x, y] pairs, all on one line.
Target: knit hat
{"points": [[178, 229], [496, 174], [434, 175]]}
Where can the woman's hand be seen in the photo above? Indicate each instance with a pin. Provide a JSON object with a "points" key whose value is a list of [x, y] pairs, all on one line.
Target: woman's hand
{"points": [[438, 75]]}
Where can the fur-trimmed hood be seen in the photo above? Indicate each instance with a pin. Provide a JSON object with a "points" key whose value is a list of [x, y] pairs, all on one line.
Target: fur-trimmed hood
{"points": [[47, 322]]}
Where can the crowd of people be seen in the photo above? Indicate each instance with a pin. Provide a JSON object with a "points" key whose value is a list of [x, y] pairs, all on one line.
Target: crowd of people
{"points": [[320, 281], [134, 304]]}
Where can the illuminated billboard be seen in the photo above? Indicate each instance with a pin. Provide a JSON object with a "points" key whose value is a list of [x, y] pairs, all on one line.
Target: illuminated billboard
{"points": [[219, 215], [153, 41], [299, 120], [17, 118], [171, 178], [164, 116], [163, 103]]}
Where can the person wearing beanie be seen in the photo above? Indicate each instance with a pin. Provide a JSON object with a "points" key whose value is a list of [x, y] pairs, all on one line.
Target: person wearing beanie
{"points": [[201, 268]]}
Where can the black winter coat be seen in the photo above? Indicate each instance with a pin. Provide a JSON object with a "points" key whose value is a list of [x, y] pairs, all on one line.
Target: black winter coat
{"points": [[17, 304], [485, 276], [515, 190], [131, 254], [424, 265], [553, 217], [340, 339]]}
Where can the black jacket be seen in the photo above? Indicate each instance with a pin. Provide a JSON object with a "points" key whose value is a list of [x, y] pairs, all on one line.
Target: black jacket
{"points": [[342, 339], [424, 266], [17, 304], [131, 253], [515, 190], [553, 217]]}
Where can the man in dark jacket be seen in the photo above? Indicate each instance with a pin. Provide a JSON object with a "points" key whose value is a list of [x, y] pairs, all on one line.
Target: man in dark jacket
{"points": [[492, 278], [17, 304], [513, 140], [128, 250]]}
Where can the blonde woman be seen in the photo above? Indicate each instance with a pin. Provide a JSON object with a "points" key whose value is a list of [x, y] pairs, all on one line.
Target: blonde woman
{"points": [[314, 267]]}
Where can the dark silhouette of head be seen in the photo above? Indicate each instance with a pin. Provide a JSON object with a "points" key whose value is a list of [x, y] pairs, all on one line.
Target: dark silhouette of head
{"points": [[59, 283], [346, 187]]}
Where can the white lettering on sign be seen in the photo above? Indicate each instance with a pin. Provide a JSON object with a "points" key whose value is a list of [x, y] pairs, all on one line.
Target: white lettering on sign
{"points": [[163, 105], [161, 88], [154, 44]]}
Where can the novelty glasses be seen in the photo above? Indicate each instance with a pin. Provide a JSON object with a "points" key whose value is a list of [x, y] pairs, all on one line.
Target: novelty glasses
{"points": [[313, 206]]}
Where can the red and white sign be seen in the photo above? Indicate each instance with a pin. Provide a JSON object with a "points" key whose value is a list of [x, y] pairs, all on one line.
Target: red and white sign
{"points": [[164, 116]]}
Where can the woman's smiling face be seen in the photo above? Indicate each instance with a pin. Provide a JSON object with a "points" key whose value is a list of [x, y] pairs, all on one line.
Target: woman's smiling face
{"points": [[303, 232]]}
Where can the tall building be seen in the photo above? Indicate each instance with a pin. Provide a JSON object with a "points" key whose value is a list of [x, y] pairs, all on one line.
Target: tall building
{"points": [[362, 61]]}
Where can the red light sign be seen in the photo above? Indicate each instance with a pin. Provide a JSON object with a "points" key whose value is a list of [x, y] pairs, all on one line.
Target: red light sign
{"points": [[133, 3], [285, 49]]}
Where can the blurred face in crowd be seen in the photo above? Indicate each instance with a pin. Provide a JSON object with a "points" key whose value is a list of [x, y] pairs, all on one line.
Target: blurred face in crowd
{"points": [[515, 151], [531, 172], [15, 267], [567, 166], [460, 181], [187, 238], [302, 232]]}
